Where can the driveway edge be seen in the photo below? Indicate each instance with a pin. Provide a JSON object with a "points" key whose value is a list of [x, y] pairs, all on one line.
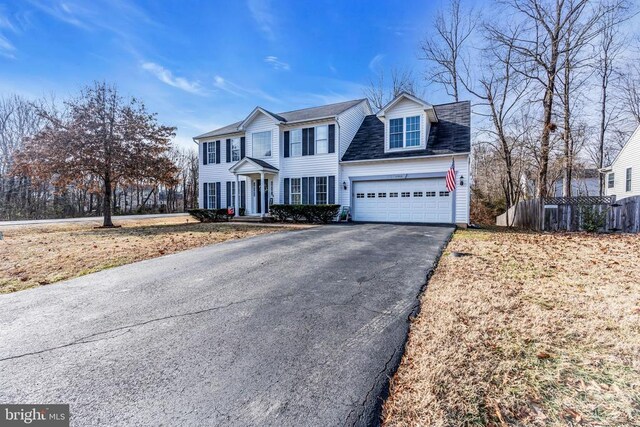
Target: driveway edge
{"points": [[374, 417]]}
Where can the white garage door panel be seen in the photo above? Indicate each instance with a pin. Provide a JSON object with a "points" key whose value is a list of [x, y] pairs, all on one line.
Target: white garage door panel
{"points": [[411, 200]]}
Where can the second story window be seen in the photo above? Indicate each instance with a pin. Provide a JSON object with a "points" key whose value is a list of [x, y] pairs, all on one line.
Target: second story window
{"points": [[235, 149], [322, 140], [211, 152], [296, 142], [611, 180], [395, 133], [413, 132], [628, 186], [261, 144]]}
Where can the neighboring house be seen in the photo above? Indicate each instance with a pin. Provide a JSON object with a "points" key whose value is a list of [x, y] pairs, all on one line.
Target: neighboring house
{"points": [[585, 182], [622, 177], [387, 167]]}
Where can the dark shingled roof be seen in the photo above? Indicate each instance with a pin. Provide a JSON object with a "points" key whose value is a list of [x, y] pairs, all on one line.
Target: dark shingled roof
{"points": [[292, 116], [452, 134], [263, 163]]}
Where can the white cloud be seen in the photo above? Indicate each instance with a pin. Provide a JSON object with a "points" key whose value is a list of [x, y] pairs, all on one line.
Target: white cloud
{"points": [[375, 62], [6, 48], [276, 63], [166, 76], [235, 89], [261, 13]]}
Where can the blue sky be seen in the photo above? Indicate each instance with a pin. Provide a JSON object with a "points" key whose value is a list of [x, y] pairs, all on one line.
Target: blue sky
{"points": [[204, 64]]}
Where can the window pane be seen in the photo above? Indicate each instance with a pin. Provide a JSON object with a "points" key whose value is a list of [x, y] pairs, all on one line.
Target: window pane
{"points": [[235, 149], [611, 180], [395, 133], [321, 190], [295, 138], [413, 131], [322, 142], [296, 191], [261, 144], [211, 152]]}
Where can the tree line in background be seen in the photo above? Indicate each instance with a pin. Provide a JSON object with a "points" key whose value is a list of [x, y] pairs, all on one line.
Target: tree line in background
{"points": [[96, 154], [555, 90]]}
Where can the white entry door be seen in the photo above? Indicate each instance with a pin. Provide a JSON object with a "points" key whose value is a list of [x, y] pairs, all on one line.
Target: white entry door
{"points": [[405, 200]]}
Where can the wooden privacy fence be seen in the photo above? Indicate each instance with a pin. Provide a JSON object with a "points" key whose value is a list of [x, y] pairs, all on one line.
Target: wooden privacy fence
{"points": [[603, 213]]}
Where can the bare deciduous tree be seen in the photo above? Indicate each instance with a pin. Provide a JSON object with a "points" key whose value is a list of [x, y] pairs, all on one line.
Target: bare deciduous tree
{"points": [[443, 50], [380, 91]]}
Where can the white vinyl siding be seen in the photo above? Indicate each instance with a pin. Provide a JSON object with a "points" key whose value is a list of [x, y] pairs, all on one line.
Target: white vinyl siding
{"points": [[348, 124]]}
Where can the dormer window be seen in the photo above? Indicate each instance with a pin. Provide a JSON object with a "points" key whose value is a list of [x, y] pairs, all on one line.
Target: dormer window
{"points": [[404, 132]]}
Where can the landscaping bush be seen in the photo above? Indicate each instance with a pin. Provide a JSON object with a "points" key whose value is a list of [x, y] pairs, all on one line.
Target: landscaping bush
{"points": [[210, 215], [319, 214]]}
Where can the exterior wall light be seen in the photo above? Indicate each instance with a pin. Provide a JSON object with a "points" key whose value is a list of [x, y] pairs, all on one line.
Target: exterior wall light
{"points": [[461, 180], [344, 184]]}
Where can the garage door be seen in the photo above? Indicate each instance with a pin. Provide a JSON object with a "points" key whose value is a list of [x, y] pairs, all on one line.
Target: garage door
{"points": [[408, 200]]}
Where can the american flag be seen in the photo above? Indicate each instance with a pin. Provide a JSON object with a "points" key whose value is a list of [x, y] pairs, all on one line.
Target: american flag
{"points": [[451, 177]]}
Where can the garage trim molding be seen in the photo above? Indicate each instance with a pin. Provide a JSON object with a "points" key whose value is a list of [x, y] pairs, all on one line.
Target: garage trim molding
{"points": [[396, 176]]}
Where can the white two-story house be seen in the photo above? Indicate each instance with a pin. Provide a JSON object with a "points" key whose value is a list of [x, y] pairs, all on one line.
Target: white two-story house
{"points": [[386, 167]]}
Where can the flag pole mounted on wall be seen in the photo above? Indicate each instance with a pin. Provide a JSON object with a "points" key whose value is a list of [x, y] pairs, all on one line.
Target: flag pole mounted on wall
{"points": [[450, 182]]}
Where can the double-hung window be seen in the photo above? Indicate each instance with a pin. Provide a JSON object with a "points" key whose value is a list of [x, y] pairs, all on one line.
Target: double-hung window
{"points": [[235, 149], [211, 194], [611, 180], [296, 191], [322, 140], [628, 183], [211, 152], [262, 144], [413, 132], [404, 132], [321, 190], [295, 137], [395, 133]]}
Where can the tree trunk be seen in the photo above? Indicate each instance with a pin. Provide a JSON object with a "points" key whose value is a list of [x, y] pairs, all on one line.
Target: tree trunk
{"points": [[107, 202]]}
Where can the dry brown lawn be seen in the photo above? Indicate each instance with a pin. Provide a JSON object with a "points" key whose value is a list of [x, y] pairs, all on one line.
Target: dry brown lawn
{"points": [[531, 330], [39, 255]]}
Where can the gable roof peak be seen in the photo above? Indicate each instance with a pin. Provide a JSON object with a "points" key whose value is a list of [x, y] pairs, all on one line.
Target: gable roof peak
{"points": [[406, 95]]}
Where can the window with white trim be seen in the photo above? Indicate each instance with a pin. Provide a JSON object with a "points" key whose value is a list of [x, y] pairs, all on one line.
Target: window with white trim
{"points": [[444, 194], [360, 196], [393, 194], [405, 194], [628, 183], [261, 144], [321, 190], [417, 194], [611, 180], [296, 191], [211, 152], [295, 137], [322, 139], [212, 203], [235, 149], [371, 195], [413, 132], [430, 194], [395, 133], [382, 195]]}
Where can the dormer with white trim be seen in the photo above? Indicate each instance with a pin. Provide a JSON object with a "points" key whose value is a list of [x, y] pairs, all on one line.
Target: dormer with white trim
{"points": [[407, 121]]}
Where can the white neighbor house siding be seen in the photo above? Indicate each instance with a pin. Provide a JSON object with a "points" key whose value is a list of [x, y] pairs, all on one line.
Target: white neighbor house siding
{"points": [[349, 122], [420, 165], [406, 108], [629, 157]]}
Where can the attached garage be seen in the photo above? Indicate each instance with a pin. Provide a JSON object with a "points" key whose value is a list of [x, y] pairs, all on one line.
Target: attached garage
{"points": [[402, 200]]}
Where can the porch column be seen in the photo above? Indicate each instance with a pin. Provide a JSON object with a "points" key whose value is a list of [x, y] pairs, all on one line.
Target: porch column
{"points": [[262, 198], [236, 209]]}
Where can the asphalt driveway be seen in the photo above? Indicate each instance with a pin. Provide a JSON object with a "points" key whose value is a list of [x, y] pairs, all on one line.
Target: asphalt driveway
{"points": [[293, 328]]}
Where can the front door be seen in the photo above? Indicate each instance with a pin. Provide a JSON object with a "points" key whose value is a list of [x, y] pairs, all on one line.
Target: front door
{"points": [[261, 194]]}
